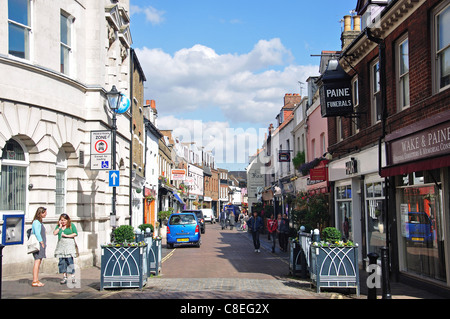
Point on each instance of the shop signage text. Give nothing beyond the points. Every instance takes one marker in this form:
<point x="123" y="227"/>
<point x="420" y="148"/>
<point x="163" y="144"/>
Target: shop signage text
<point x="431" y="142"/>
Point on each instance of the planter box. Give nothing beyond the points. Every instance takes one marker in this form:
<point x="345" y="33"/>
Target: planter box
<point x="334" y="267"/>
<point x="123" y="267"/>
<point x="297" y="260"/>
<point x="155" y="256"/>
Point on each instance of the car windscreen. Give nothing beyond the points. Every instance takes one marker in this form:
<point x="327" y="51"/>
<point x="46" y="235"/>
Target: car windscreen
<point x="185" y="219"/>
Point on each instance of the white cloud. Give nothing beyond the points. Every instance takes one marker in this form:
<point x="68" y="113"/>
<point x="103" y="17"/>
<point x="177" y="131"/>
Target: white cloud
<point x="245" y="87"/>
<point x="228" y="144"/>
<point x="152" y="15"/>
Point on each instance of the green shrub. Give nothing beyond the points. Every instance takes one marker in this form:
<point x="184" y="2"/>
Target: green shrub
<point x="143" y="227"/>
<point x="124" y="233"/>
<point x="331" y="234"/>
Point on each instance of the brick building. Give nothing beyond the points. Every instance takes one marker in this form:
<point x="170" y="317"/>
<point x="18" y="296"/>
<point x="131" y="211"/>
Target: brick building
<point x="391" y="156"/>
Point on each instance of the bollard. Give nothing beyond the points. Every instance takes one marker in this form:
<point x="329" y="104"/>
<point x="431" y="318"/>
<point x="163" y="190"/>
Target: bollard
<point x="386" y="289"/>
<point x="1" y="263"/>
<point x="316" y="236"/>
<point x="372" y="291"/>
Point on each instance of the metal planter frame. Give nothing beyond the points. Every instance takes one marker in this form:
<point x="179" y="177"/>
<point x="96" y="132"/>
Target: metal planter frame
<point x="124" y="267"/>
<point x="334" y="267"/>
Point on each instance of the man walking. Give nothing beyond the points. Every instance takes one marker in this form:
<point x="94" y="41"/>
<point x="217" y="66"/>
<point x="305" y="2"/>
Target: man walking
<point x="255" y="225"/>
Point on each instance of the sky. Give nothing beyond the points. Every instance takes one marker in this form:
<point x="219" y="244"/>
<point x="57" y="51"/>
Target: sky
<point x="218" y="70"/>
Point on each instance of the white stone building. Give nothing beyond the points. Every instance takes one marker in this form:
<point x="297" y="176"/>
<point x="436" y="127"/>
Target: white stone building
<point x="57" y="60"/>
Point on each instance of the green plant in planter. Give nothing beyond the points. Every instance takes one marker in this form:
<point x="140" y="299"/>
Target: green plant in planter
<point x="331" y="235"/>
<point x="143" y="227"/>
<point x="124" y="233"/>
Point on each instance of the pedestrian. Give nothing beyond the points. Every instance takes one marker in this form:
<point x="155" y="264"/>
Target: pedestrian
<point x="283" y="231"/>
<point x="66" y="247"/>
<point x="231" y="219"/>
<point x="39" y="230"/>
<point x="255" y="225"/>
<point x="272" y="226"/>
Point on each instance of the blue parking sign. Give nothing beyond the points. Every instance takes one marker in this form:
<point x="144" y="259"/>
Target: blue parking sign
<point x="114" y="177"/>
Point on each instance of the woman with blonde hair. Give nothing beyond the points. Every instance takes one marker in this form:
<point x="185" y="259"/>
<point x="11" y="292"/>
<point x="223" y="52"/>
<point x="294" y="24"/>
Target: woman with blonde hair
<point x="66" y="248"/>
<point x="39" y="230"/>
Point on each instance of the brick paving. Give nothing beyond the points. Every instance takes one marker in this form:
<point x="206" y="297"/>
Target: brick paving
<point x="225" y="268"/>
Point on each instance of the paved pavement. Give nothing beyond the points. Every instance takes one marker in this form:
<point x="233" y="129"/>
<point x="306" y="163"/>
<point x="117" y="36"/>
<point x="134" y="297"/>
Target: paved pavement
<point x="264" y="286"/>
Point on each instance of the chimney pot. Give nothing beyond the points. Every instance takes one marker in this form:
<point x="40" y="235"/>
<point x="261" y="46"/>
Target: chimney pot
<point x="347" y="23"/>
<point x="357" y="23"/>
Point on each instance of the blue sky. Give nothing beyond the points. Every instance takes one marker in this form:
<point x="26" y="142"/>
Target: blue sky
<point x="224" y="66"/>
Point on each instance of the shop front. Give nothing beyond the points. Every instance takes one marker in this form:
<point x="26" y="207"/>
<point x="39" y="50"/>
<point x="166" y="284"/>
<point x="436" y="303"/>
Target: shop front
<point x="418" y="160"/>
<point x="359" y="199"/>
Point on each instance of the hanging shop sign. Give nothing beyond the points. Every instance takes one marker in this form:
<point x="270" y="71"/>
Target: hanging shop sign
<point x="335" y="89"/>
<point x="284" y="156"/>
<point x="178" y="174"/>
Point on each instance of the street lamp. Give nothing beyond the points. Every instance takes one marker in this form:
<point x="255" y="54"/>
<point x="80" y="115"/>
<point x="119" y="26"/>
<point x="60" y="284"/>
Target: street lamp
<point x="114" y="98"/>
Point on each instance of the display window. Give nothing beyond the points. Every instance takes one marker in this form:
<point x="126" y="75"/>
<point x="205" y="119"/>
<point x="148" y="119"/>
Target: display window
<point x="375" y="216"/>
<point x="344" y="211"/>
<point x="420" y="216"/>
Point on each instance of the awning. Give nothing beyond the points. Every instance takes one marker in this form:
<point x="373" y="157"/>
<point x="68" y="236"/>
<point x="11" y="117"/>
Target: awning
<point x="178" y="197"/>
<point x="424" y="165"/>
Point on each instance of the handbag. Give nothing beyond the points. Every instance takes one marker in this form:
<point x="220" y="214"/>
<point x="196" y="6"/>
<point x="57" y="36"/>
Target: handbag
<point x="33" y="245"/>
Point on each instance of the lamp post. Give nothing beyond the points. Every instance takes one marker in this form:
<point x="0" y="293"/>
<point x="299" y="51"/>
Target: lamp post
<point x="114" y="98"/>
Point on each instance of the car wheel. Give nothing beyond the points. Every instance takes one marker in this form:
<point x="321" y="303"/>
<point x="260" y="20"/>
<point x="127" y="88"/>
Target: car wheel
<point x="170" y="246"/>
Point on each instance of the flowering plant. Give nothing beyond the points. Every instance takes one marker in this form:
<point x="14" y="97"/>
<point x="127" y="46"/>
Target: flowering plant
<point x="339" y="243"/>
<point x="125" y="244"/>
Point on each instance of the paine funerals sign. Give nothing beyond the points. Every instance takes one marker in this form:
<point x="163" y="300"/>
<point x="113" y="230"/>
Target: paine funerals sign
<point x="335" y="91"/>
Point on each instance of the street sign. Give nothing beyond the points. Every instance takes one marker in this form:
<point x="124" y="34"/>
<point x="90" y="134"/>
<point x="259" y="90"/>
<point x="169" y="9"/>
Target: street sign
<point x="101" y="156"/>
<point x="114" y="177"/>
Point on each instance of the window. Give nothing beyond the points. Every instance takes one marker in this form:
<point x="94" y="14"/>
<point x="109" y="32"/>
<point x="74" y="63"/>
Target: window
<point x="66" y="42"/>
<point x="13" y="177"/>
<point x="421" y="224"/>
<point x="376" y="230"/>
<point x="60" y="190"/>
<point x="339" y="129"/>
<point x="375" y="91"/>
<point x="441" y="32"/>
<point x="19" y="28"/>
<point x="344" y="211"/>
<point x="403" y="73"/>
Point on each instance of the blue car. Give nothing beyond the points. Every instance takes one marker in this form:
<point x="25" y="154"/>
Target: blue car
<point x="183" y="229"/>
<point x="419" y="229"/>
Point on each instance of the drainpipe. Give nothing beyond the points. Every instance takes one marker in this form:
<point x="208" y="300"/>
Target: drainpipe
<point x="382" y="61"/>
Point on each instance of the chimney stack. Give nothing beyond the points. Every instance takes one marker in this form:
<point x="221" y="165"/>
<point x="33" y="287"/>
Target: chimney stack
<point x="349" y="33"/>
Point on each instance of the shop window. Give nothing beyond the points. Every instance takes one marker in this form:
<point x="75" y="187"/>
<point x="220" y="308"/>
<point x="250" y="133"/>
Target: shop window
<point x="344" y="211"/>
<point x="375" y="216"/>
<point x="421" y="247"/>
<point x="13" y="177"/>
<point x="19" y="28"/>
